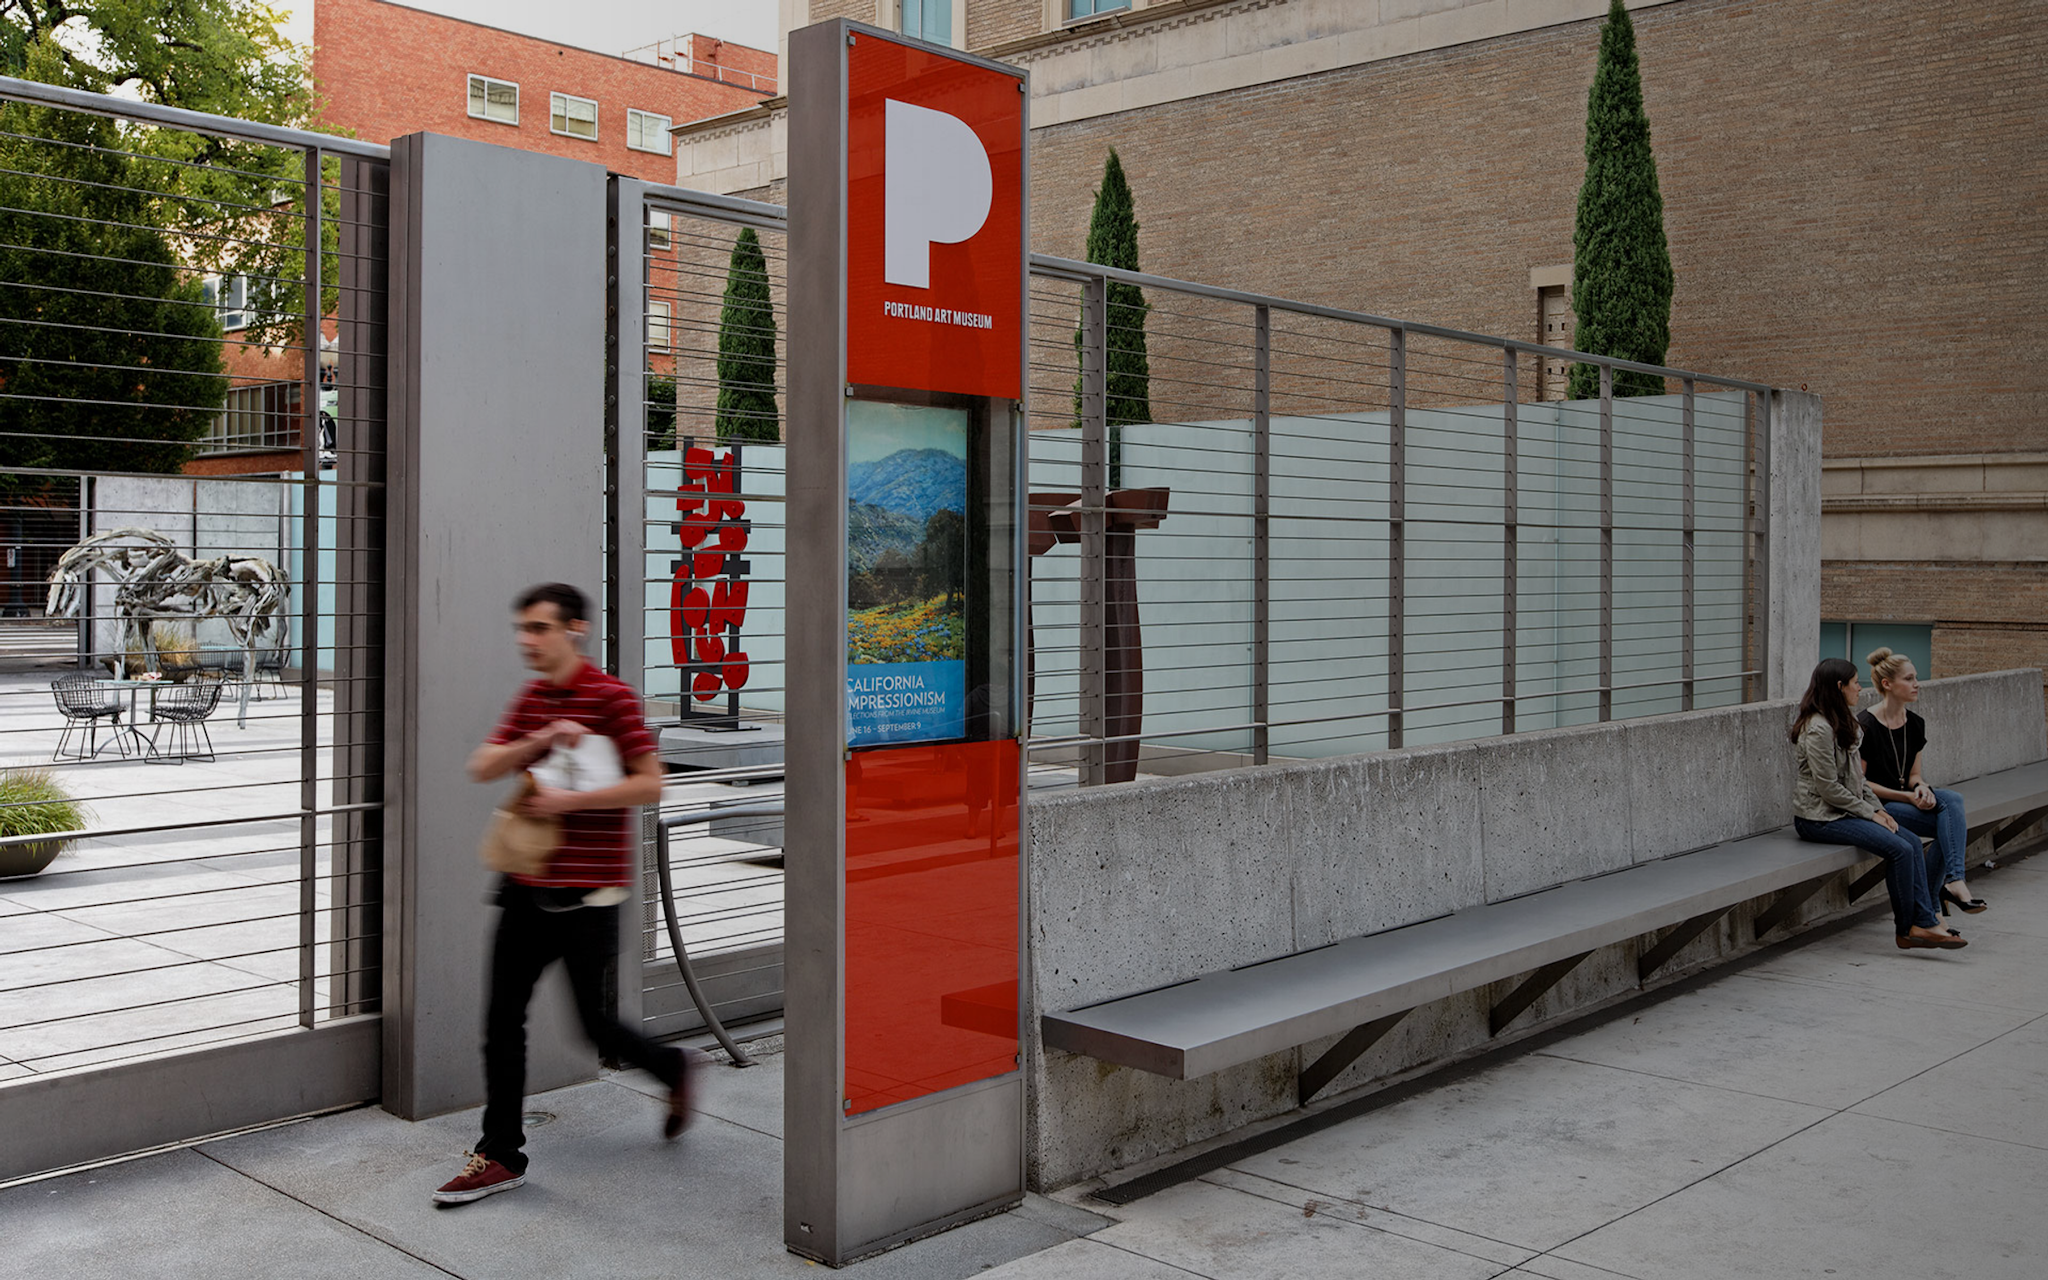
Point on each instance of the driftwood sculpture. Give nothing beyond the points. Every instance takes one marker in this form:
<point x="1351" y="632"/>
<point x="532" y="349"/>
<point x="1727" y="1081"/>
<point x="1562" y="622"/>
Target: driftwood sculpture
<point x="156" y="582"/>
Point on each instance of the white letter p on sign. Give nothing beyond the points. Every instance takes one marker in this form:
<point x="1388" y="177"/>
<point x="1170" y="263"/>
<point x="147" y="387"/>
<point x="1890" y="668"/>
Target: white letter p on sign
<point x="936" y="190"/>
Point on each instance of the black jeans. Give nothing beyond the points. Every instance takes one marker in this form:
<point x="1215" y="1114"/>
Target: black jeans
<point x="529" y="939"/>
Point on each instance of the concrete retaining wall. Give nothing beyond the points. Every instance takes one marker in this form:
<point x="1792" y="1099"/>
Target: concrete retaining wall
<point x="1138" y="886"/>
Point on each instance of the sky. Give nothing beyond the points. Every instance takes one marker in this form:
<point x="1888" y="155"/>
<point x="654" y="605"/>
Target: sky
<point x="876" y="430"/>
<point x="607" y="26"/>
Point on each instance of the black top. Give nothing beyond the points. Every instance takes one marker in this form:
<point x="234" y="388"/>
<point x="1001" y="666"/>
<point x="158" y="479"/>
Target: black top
<point x="1888" y="754"/>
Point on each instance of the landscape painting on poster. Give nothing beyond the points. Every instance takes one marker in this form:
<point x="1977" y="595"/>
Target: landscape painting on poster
<point x="906" y="571"/>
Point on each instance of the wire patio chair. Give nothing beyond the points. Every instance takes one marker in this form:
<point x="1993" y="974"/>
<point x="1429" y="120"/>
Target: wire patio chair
<point x="183" y="709"/>
<point x="83" y="701"/>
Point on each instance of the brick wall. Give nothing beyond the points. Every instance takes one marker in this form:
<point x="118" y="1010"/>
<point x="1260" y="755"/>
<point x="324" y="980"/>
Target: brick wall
<point x="1851" y="214"/>
<point x="991" y="22"/>
<point x="384" y="70"/>
<point x="858" y="10"/>
<point x="1987" y="616"/>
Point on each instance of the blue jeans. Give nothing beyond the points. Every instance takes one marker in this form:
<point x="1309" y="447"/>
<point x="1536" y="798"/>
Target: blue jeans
<point x="1910" y="879"/>
<point x="1945" y="822"/>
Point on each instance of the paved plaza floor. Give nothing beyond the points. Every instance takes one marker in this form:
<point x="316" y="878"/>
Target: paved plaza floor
<point x="1833" y="1107"/>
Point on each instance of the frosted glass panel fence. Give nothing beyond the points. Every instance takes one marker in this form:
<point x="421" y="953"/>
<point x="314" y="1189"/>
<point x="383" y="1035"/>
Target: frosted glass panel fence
<point x="1285" y="531"/>
<point x="1329" y="653"/>
<point x="1328" y="656"/>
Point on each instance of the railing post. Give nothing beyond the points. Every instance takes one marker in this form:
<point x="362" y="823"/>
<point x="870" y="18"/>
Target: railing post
<point x="1606" y="542"/>
<point x="1262" y="544"/>
<point x="1686" y="532"/>
<point x="308" y="587"/>
<point x="1094" y="527"/>
<point x="1759" y="444"/>
<point x="1510" y="537"/>
<point x="1397" y="532"/>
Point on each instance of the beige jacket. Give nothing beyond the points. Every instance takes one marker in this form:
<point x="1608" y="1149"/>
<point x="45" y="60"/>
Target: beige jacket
<point x="1830" y="784"/>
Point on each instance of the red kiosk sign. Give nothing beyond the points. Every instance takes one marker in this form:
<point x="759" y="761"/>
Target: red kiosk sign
<point x="935" y="262"/>
<point x="934" y="223"/>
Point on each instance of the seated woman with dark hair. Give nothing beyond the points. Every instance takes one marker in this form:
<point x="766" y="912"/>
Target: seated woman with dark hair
<point x="1893" y="738"/>
<point x="1832" y="804"/>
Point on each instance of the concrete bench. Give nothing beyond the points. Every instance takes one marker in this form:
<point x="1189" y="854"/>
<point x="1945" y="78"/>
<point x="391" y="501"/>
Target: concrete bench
<point x="1361" y="987"/>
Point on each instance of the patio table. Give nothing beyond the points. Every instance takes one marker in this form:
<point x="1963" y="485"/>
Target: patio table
<point x="133" y="687"/>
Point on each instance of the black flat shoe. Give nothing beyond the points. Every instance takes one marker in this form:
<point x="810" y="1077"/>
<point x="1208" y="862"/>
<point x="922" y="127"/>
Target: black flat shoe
<point x="1970" y="906"/>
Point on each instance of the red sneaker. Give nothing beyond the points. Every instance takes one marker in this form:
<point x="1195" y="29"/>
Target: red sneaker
<point x="481" y="1177"/>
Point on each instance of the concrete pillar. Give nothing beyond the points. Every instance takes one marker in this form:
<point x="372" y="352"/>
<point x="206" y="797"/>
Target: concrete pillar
<point x="1793" y="617"/>
<point x="496" y="465"/>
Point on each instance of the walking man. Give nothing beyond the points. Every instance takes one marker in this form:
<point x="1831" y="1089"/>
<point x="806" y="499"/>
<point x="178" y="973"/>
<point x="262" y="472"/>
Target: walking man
<point x="570" y="911"/>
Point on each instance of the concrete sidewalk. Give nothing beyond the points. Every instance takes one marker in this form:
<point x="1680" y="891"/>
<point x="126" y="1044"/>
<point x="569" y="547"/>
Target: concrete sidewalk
<point x="1835" y="1107"/>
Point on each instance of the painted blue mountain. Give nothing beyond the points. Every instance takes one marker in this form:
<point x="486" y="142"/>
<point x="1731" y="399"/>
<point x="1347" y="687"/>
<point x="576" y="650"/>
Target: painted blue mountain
<point x="911" y="483"/>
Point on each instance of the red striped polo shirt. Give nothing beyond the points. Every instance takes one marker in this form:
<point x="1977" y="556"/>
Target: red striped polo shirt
<point x="597" y="846"/>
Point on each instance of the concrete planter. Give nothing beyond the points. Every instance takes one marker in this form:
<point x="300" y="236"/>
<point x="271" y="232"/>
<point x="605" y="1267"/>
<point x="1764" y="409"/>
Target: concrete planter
<point x="21" y="860"/>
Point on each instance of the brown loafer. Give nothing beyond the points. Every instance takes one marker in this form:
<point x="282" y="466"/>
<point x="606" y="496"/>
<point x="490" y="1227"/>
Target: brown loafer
<point x="1949" y="942"/>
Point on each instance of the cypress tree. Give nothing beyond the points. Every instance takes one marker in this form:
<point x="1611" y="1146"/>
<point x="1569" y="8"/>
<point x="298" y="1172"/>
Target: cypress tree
<point x="746" y="348"/>
<point x="1621" y="265"/>
<point x="1113" y="242"/>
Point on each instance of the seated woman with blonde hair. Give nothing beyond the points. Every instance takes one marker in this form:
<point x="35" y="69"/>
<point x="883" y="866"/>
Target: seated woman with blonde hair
<point x="1893" y="740"/>
<point x="1833" y="805"/>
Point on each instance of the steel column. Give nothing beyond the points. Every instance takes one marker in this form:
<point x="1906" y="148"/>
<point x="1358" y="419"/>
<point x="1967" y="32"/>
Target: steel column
<point x="309" y="603"/>
<point x="625" y="538"/>
<point x="1760" y="626"/>
<point x="1511" y="537"/>
<point x="1094" y="708"/>
<point x="1687" y="529"/>
<point x="356" y="869"/>
<point x="1397" y="532"/>
<point x="1262" y="531"/>
<point x="1606" y="542"/>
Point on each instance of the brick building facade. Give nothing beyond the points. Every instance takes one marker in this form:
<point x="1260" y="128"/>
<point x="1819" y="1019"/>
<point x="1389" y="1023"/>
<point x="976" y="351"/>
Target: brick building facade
<point x="383" y="70"/>
<point x="1852" y="194"/>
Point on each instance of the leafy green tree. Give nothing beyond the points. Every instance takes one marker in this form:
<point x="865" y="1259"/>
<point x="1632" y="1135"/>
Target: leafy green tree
<point x="1113" y="242"/>
<point x="225" y="57"/>
<point x="1621" y="264"/>
<point x="942" y="556"/>
<point x="112" y="361"/>
<point x="746" y="348"/>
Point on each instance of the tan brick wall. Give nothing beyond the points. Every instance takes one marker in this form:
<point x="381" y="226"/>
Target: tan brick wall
<point x="991" y="22"/>
<point x="1851" y="214"/>
<point x="858" y="10"/>
<point x="384" y="70"/>
<point x="1987" y="616"/>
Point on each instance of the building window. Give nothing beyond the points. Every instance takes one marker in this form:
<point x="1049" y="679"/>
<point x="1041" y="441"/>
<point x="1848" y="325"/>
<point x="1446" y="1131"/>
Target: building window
<point x="930" y="20"/>
<point x="1089" y="8"/>
<point x="264" y="416"/>
<point x="646" y="131"/>
<point x="657" y="229"/>
<point x="1554" y="327"/>
<point x="1856" y="640"/>
<point x="658" y="326"/>
<point x="229" y="297"/>
<point x="576" y="117"/>
<point x="494" y="100"/>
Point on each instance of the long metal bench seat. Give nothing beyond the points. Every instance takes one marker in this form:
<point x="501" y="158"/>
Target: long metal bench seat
<point x="1361" y="987"/>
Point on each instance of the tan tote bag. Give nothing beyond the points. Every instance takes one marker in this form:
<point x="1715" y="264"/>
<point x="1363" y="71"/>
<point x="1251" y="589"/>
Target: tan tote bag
<point x="516" y="844"/>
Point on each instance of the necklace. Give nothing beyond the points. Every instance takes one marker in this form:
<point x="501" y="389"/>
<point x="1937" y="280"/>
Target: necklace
<point x="1898" y="746"/>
